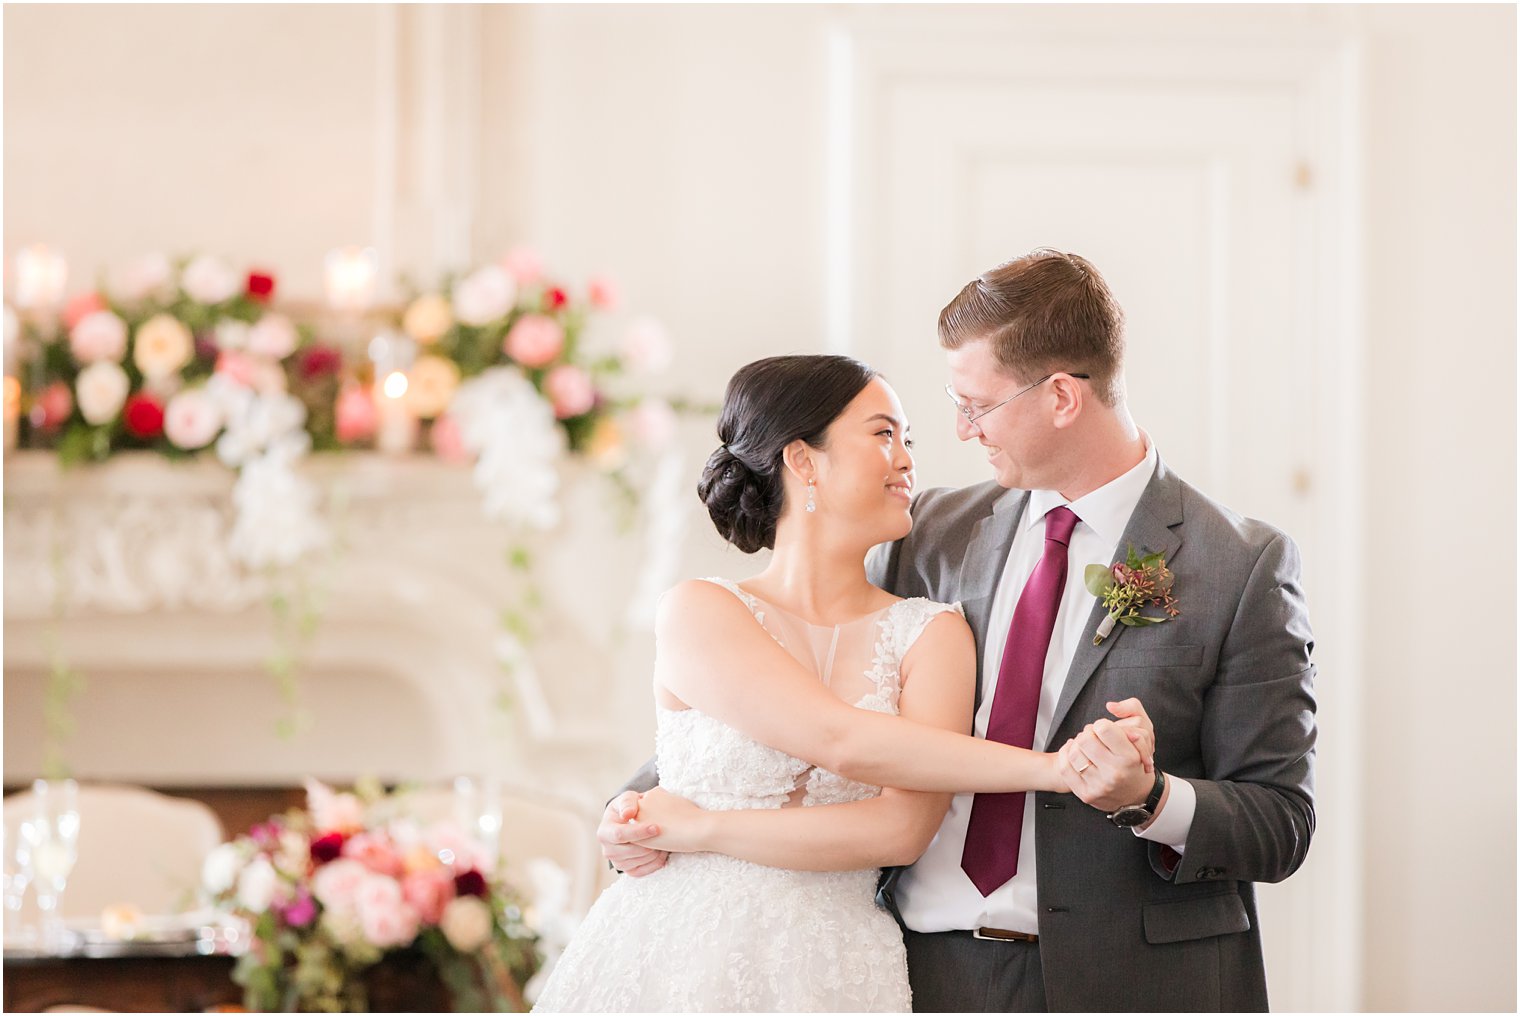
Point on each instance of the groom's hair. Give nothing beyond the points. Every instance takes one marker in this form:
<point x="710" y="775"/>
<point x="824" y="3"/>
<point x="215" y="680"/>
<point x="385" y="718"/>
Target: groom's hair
<point x="1044" y="312"/>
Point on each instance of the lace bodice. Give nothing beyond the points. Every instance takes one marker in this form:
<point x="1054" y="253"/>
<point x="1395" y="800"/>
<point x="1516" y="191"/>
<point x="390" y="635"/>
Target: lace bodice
<point x="717" y="767"/>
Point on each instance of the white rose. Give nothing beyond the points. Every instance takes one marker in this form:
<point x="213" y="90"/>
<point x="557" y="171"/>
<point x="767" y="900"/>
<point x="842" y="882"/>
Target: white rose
<point x="256" y="885"/>
<point x="466" y="923"/>
<point x="149" y="275"/>
<point x="191" y="419"/>
<point x="162" y="347"/>
<point x="274" y="336"/>
<point x="484" y="296"/>
<point x="220" y="869"/>
<point x="209" y="280"/>
<point x="100" y="391"/>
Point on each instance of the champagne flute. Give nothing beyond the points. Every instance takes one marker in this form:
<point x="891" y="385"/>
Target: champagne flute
<point x="53" y="833"/>
<point x="17" y="855"/>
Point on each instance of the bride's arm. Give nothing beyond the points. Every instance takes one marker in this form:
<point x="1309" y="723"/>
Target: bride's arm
<point x="939" y="675"/>
<point x="712" y="656"/>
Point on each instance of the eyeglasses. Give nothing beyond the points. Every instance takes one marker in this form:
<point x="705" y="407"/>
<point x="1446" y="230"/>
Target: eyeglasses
<point x="972" y="416"/>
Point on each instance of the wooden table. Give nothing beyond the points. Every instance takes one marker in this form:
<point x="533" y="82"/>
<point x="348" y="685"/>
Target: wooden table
<point x="158" y="980"/>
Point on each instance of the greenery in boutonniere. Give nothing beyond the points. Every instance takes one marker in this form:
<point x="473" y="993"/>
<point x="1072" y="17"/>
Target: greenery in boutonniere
<point x="1129" y="585"/>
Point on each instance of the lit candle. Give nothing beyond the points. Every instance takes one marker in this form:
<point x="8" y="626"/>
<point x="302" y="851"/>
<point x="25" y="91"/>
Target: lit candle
<point x="351" y="274"/>
<point x="396" y="431"/>
<point x="40" y="276"/>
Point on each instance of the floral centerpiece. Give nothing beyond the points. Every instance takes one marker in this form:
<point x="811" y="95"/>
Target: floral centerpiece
<point x="329" y="891"/>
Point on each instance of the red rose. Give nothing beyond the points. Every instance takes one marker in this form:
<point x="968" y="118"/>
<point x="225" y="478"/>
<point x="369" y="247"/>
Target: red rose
<point x="320" y="361"/>
<point x="144" y="416"/>
<point x="555" y="298"/>
<point x="327" y="847"/>
<point x="261" y="286"/>
<point x="470" y="883"/>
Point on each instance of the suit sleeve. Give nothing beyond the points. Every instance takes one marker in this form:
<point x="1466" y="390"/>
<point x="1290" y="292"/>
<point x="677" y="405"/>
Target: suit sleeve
<point x="647" y="778"/>
<point x="1255" y="811"/>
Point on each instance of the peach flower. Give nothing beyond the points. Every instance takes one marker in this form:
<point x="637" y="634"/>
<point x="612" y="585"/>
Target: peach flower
<point x="602" y="292"/>
<point x="535" y="340"/>
<point x="431" y="384"/>
<point x="163" y="346"/>
<point x="98" y="335"/>
<point x="466" y="923"/>
<point x="428" y="893"/>
<point x="428" y="318"/>
<point x="374" y="852"/>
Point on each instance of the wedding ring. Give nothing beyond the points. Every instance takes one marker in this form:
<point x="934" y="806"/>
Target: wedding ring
<point x="1086" y="765"/>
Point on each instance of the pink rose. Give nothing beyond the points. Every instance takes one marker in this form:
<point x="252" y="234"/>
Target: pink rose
<point x="524" y="265"/>
<point x="602" y="292"/>
<point x="98" y="335"/>
<point x="336" y="884"/>
<point x="81" y="307"/>
<point x="451" y="845"/>
<point x="535" y="340"/>
<point x="447" y="440"/>
<point x="238" y="367"/>
<point x="192" y="419"/>
<point x="570" y="391"/>
<point x="52" y="406"/>
<point x="428" y="893"/>
<point x="387" y="919"/>
<point x="374" y="852"/>
<point x="355" y="417"/>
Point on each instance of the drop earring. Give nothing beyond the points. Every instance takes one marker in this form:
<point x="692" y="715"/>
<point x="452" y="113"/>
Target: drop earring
<point x="810" y="506"/>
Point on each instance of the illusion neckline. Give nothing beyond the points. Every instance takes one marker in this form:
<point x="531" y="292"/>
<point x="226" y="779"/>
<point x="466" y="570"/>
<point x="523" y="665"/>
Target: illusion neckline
<point x="771" y="604"/>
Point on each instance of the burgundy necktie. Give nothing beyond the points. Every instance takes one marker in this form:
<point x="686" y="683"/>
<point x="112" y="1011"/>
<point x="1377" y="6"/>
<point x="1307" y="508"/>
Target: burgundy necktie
<point x="991" y="856"/>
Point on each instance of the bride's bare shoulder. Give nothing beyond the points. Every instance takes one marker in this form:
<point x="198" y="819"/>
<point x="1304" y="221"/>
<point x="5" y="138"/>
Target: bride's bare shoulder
<point x="700" y="600"/>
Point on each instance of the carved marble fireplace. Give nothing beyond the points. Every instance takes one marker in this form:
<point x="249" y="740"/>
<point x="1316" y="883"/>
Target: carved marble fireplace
<point x="122" y="571"/>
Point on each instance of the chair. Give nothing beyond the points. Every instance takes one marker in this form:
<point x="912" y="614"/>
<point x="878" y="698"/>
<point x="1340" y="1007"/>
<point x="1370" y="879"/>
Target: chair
<point x="136" y="846"/>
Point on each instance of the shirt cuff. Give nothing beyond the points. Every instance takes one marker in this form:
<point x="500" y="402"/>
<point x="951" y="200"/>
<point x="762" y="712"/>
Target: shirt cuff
<point x="1175" y="821"/>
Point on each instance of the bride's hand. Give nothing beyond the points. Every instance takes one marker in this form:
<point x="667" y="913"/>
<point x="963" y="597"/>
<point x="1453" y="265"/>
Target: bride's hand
<point x="682" y="824"/>
<point x="1136" y="724"/>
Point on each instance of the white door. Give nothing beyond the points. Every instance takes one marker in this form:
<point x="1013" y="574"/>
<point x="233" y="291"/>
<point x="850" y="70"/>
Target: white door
<point x="1192" y="193"/>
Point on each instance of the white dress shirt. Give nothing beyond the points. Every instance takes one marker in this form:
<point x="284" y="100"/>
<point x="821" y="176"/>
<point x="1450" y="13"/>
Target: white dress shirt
<point x="935" y="894"/>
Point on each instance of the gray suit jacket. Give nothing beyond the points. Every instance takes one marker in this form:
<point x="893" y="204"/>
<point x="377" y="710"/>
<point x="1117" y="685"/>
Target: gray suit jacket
<point x="1229" y="686"/>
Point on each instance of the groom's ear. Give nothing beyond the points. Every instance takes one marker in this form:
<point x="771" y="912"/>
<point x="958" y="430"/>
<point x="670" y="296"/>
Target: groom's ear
<point x="797" y="457"/>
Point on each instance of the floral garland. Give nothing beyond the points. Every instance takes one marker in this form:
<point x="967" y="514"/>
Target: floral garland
<point x="192" y="357"/>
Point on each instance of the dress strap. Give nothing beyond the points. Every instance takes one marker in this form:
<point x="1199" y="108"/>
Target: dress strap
<point x="745" y="598"/>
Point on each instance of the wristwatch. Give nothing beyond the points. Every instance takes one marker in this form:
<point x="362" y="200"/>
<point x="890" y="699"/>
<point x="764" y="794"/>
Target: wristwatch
<point x="1132" y="815"/>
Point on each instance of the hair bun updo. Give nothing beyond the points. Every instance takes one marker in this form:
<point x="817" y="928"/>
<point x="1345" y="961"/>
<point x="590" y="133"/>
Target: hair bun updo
<point x="744" y="504"/>
<point x="769" y="404"/>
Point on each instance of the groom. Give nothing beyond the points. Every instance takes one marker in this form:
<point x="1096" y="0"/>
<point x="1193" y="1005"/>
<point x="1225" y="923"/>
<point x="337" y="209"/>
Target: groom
<point x="1136" y="892"/>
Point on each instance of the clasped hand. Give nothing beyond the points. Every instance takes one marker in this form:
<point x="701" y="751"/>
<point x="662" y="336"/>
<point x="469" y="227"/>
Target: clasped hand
<point x="1111" y="763"/>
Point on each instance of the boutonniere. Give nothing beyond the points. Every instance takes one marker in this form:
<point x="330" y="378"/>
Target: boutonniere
<point x="1129" y="585"/>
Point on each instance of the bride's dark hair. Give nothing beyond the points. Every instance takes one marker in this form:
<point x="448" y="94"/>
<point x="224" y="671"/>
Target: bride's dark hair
<point x="769" y="404"/>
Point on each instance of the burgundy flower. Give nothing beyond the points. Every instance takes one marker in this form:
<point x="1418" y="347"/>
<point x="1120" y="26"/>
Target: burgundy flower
<point x="261" y="286"/>
<point x="470" y="883"/>
<point x="320" y="361"/>
<point x="327" y="847"/>
<point x="555" y="298"/>
<point x="1122" y="573"/>
<point x="144" y="416"/>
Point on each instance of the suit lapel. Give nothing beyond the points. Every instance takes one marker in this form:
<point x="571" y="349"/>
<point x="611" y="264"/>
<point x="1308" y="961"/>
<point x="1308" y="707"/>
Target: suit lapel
<point x="1154" y="526"/>
<point x="986" y="554"/>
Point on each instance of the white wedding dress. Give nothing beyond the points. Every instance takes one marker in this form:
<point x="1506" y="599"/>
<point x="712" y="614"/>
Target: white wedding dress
<point x="709" y="933"/>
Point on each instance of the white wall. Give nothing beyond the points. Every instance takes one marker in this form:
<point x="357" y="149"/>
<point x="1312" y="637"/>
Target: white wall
<point x="683" y="149"/>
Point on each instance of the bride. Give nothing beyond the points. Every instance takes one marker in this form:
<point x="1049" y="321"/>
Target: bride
<point x="766" y="903"/>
